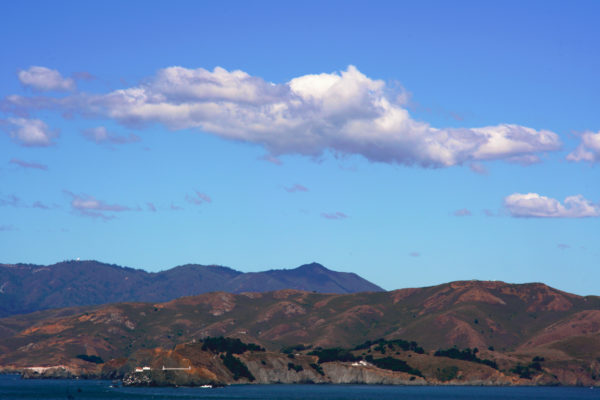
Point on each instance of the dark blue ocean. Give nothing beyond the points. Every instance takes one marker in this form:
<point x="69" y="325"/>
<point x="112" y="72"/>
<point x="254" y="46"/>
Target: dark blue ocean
<point x="13" y="387"/>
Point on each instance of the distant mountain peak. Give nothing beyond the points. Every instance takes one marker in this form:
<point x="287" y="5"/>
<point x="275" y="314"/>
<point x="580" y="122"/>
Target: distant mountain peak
<point x="81" y="283"/>
<point x="313" y="266"/>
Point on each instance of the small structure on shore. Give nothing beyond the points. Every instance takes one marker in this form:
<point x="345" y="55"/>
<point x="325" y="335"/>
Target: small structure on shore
<point x="177" y="369"/>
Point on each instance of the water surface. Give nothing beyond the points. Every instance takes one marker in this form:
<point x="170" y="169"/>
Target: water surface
<point x="13" y="387"/>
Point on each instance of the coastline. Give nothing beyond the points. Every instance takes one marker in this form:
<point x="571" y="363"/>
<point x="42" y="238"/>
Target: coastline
<point x="61" y="373"/>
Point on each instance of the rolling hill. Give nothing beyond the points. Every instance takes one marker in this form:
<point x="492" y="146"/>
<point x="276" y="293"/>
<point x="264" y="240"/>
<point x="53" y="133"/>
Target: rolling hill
<point x="509" y="324"/>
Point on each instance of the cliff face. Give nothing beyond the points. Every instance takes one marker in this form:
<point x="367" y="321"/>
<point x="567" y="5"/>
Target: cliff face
<point x="275" y="368"/>
<point x="346" y="373"/>
<point x="270" y="368"/>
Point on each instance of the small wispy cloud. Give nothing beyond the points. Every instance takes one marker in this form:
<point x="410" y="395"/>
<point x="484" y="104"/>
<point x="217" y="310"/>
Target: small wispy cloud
<point x="271" y="159"/>
<point x="11" y="200"/>
<point x="334" y="215"/>
<point x="83" y="76"/>
<point x="414" y="254"/>
<point x="524" y="159"/>
<point x="198" y="198"/>
<point x="588" y="150"/>
<point x="563" y="246"/>
<point x="26" y="164"/>
<point x="463" y="212"/>
<point x="101" y="135"/>
<point x="456" y="116"/>
<point x="488" y="213"/>
<point x="42" y="206"/>
<point x="45" y="79"/>
<point x="30" y="132"/>
<point x="478" y="168"/>
<point x="88" y="206"/>
<point x="296" y="188"/>
<point x="151" y="207"/>
<point x="175" y="207"/>
<point x="7" y="228"/>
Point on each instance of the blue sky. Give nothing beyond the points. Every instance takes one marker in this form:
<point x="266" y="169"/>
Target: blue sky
<point x="413" y="144"/>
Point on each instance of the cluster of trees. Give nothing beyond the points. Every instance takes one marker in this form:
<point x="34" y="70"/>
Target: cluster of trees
<point x="295" y="348"/>
<point x="317" y="368"/>
<point x="237" y="367"/>
<point x="334" y="354"/>
<point x="231" y="346"/>
<point x="393" y="364"/>
<point x="92" y="359"/>
<point x="295" y="367"/>
<point x="228" y="345"/>
<point x="526" y="371"/>
<point x="466" y="355"/>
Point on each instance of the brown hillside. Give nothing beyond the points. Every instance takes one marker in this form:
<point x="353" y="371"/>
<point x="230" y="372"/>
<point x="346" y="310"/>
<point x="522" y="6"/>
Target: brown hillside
<point x="517" y="321"/>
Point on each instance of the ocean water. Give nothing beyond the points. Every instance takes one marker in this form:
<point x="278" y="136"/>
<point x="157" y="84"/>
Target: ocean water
<point x="13" y="387"/>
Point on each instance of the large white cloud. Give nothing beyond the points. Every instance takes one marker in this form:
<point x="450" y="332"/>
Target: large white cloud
<point x="588" y="149"/>
<point x="534" y="205"/>
<point x="45" y="79"/>
<point x="346" y="112"/>
<point x="31" y="132"/>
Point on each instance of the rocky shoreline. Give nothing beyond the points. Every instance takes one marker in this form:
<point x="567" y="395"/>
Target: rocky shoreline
<point x="220" y="361"/>
<point x="278" y="373"/>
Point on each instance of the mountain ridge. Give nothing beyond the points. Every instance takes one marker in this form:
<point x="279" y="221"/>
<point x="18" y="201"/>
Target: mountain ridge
<point x="26" y="288"/>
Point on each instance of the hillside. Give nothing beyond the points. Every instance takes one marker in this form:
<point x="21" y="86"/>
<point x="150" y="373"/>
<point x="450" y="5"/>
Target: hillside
<point x="26" y="288"/>
<point x="509" y="324"/>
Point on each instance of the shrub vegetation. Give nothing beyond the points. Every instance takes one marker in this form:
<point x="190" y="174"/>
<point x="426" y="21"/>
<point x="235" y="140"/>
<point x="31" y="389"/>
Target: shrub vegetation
<point x="334" y="354"/>
<point x="228" y="345"/>
<point x="92" y="359"/>
<point x="394" y="364"/>
<point x="466" y="355"/>
<point x="317" y="368"/>
<point x="237" y="367"/>
<point x="295" y="367"/>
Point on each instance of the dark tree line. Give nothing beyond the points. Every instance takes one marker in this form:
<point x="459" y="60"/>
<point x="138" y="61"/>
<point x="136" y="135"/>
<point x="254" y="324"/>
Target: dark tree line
<point x="466" y="355"/>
